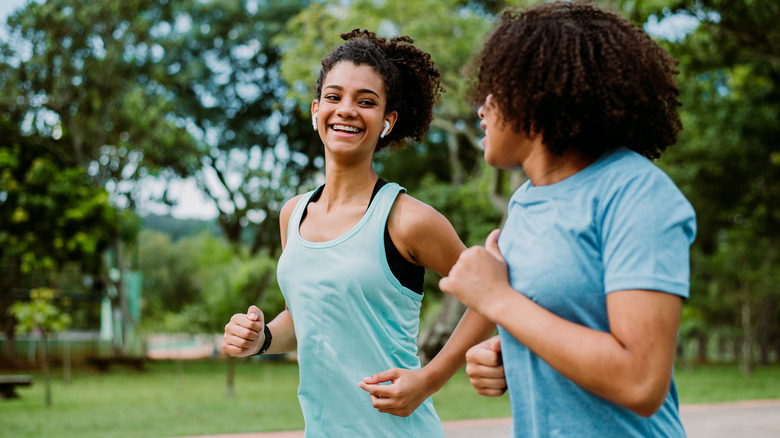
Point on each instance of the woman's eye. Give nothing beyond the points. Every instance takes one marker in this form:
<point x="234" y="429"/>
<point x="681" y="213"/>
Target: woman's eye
<point x="332" y="98"/>
<point x="367" y="102"/>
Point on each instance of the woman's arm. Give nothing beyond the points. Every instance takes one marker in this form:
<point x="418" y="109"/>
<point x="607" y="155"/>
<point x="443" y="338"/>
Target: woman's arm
<point x="631" y="365"/>
<point x="244" y="334"/>
<point x="425" y="237"/>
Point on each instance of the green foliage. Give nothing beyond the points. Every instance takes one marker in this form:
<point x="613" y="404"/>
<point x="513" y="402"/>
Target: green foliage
<point x="727" y="162"/>
<point x="465" y="206"/>
<point x="223" y="72"/>
<point x="49" y="213"/>
<point x="450" y="39"/>
<point x="197" y="283"/>
<point x="40" y="313"/>
<point x="85" y="82"/>
<point x="156" y="88"/>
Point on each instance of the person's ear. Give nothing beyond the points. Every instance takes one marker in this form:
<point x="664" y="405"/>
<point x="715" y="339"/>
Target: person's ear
<point x="390" y="120"/>
<point x="315" y="108"/>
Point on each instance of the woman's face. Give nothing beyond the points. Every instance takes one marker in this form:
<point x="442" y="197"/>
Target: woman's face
<point x="504" y="148"/>
<point x="351" y="109"/>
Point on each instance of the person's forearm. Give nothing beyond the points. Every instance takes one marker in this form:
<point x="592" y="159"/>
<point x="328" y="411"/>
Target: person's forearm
<point x="632" y="374"/>
<point x="472" y="329"/>
<point x="283" y="334"/>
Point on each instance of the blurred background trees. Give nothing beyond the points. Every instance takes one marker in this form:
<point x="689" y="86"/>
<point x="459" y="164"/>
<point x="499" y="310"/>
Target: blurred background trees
<point x="104" y="106"/>
<point x="727" y="162"/>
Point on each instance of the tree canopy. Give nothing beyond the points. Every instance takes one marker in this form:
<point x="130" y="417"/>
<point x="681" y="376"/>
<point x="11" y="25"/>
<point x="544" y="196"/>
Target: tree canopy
<point x="98" y="98"/>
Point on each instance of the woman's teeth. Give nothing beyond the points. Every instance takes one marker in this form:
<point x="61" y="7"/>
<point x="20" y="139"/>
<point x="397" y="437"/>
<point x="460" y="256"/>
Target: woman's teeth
<point x="345" y="128"/>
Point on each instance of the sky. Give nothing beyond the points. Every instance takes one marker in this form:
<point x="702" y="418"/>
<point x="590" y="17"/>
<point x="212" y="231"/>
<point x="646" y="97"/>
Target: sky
<point x="194" y="204"/>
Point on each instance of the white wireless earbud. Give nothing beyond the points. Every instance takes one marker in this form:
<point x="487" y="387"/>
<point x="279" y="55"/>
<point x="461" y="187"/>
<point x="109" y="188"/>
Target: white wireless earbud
<point x="387" y="128"/>
<point x="314" y="121"/>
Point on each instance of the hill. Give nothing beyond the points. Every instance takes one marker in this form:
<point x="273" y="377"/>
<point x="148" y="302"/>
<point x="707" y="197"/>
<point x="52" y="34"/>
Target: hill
<point x="178" y="228"/>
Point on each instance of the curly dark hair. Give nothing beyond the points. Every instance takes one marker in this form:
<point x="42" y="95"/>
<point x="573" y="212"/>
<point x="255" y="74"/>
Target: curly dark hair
<point x="411" y="80"/>
<point x="582" y="77"/>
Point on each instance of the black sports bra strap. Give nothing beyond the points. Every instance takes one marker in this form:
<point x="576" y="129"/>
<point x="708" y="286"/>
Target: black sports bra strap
<point x="408" y="274"/>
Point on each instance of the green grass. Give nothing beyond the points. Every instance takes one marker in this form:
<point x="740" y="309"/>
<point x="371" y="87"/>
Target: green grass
<point x="723" y="383"/>
<point x="188" y="398"/>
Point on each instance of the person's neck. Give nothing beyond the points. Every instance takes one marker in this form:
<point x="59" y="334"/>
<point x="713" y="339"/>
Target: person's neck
<point x="545" y="168"/>
<point x="347" y="187"/>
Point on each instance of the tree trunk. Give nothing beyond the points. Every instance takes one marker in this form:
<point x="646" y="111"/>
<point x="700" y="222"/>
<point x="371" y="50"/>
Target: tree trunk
<point x="121" y="294"/>
<point x="231" y="377"/>
<point x="66" y="362"/>
<point x="457" y="169"/>
<point x="433" y="339"/>
<point x="746" y="352"/>
<point x="45" y="365"/>
<point x="701" y="348"/>
<point x="10" y="351"/>
<point x="7" y="284"/>
<point x="777" y="350"/>
<point x="765" y="319"/>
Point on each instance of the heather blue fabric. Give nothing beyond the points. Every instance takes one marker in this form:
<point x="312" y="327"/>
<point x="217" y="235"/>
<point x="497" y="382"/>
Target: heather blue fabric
<point x="619" y="224"/>
<point x="352" y="319"/>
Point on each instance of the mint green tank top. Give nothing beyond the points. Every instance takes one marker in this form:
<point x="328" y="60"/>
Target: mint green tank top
<point x="352" y="319"/>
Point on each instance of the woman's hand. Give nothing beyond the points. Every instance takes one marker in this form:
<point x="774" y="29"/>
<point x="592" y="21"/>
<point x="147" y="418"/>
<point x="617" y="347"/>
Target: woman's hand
<point x="406" y="391"/>
<point x="244" y="333"/>
<point x="485" y="368"/>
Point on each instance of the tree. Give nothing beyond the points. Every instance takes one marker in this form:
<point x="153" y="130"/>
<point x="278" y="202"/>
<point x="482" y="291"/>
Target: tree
<point x="42" y="316"/>
<point x="256" y="148"/>
<point x="727" y="161"/>
<point x="154" y="88"/>
<point x="146" y="89"/>
<point x="81" y="83"/>
<point x="50" y="217"/>
<point x="87" y="82"/>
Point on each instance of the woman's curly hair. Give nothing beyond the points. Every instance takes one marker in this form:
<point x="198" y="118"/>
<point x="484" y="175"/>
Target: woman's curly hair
<point x="582" y="77"/>
<point x="411" y="80"/>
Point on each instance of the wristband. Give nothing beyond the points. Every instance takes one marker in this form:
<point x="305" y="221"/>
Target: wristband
<point x="267" y="343"/>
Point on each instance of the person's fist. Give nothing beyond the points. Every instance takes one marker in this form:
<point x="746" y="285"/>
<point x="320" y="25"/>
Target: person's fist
<point x="485" y="368"/>
<point x="244" y="333"/>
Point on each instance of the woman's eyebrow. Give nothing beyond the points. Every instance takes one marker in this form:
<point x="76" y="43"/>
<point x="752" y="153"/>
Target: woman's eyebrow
<point x="360" y="91"/>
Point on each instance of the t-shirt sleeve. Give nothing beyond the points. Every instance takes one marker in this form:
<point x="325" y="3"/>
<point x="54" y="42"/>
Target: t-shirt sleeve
<point x="647" y="228"/>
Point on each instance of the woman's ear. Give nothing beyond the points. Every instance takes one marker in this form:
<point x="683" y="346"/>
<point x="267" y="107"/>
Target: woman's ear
<point x="315" y="108"/>
<point x="390" y="119"/>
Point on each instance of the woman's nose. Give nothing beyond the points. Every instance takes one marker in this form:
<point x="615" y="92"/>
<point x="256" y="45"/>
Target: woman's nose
<point x="481" y="111"/>
<point x="346" y="109"/>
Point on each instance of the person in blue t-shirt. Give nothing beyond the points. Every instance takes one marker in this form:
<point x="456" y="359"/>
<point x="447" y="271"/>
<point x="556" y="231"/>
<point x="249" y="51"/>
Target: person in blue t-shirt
<point x="587" y="277"/>
<point x="355" y="252"/>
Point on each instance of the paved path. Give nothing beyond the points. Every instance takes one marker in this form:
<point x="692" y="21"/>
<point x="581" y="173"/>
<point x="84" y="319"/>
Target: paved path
<point x="754" y="419"/>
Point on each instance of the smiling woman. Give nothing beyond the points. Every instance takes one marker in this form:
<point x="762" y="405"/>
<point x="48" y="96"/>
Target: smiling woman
<point x="351" y="111"/>
<point x="354" y="255"/>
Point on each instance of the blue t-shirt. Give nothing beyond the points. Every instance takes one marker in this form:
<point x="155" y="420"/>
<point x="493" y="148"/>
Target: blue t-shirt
<point x="618" y="224"/>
